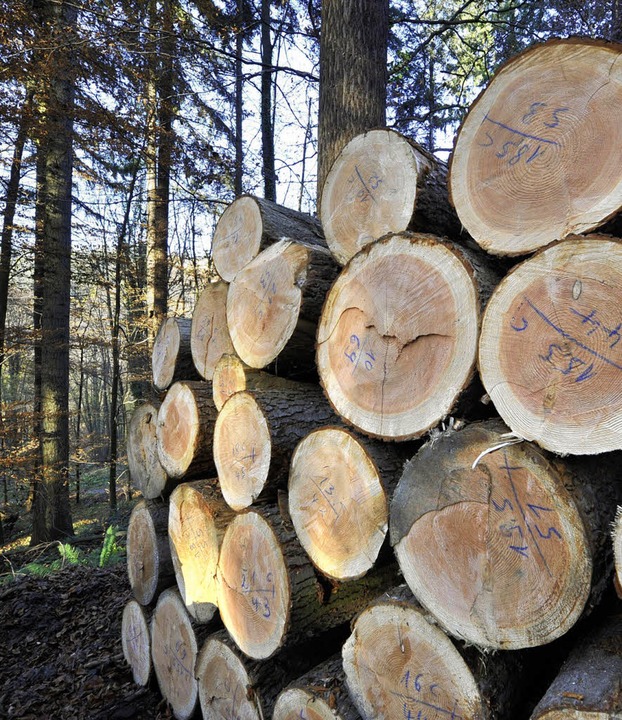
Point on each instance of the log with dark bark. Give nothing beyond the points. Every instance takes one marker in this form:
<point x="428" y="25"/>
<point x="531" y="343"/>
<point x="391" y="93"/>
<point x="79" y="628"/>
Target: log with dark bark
<point x="338" y="491"/>
<point x="146" y="471"/>
<point x="617" y="551"/>
<point x="185" y="431"/>
<point x="550" y="354"/>
<point x="588" y="686"/>
<point x="397" y="340"/>
<point x="136" y="642"/>
<point x="382" y="183"/>
<point x="274" y="304"/>
<point x="250" y="224"/>
<point x="198" y="517"/>
<point x="268" y="594"/>
<point x="536" y="158"/>
<point x="171" y="358"/>
<point x="149" y="564"/>
<point x="209" y="334"/>
<point x="509" y="553"/>
<point x="256" y="433"/>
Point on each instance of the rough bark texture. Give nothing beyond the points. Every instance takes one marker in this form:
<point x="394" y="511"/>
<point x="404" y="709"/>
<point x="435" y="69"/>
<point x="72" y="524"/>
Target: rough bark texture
<point x="146" y="472"/>
<point x="617" y="551"/>
<point x="171" y="359"/>
<point x="136" y="642"/>
<point x="250" y="224"/>
<point x="530" y="165"/>
<point x="210" y="338"/>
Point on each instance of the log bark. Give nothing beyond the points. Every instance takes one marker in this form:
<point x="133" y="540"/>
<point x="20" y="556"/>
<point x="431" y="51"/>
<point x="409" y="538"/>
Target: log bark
<point x="382" y="183"/>
<point x="397" y="340"/>
<point x="519" y="525"/>
<point x="320" y="694"/>
<point x="588" y="685"/>
<point x="149" y="564"/>
<point x="274" y="304"/>
<point x="256" y="432"/>
<point x="146" y="471"/>
<point x="617" y="551"/>
<point x="136" y="642"/>
<point x="250" y="224"/>
<point x="209" y="334"/>
<point x="550" y="354"/>
<point x="532" y="161"/>
<point x="171" y="358"/>
<point x="268" y="594"/>
<point x="198" y="517"/>
<point x="398" y="663"/>
<point x="338" y="491"/>
<point x="185" y="431"/>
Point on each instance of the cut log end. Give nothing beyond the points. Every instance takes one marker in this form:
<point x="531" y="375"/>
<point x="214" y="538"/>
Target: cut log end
<point x="301" y="704"/>
<point x="229" y="377"/>
<point x="337" y="503"/>
<point x="178" y="430"/>
<point x="143" y="554"/>
<point x="398" y="336"/>
<point x="136" y="642"/>
<point x="209" y="334"/>
<point x="146" y="471"/>
<point x="237" y="237"/>
<point x="166" y="348"/>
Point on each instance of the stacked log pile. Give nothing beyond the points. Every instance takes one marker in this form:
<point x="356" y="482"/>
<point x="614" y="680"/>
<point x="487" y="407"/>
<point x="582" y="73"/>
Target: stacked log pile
<point x="292" y="511"/>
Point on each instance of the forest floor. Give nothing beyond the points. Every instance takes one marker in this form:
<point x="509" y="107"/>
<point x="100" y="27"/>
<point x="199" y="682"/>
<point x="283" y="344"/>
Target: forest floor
<point x="60" y="624"/>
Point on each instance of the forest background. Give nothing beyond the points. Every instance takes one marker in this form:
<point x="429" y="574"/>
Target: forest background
<point x="125" y="130"/>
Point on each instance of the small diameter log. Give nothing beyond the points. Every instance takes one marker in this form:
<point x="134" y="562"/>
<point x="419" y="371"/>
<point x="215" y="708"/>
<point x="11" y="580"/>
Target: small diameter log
<point x="185" y="430"/>
<point x="174" y="650"/>
<point x="397" y="340"/>
<point x="198" y="517"/>
<point x="250" y="224"/>
<point x="274" y="304"/>
<point x="320" y="694"/>
<point x="268" y="593"/>
<point x="256" y="432"/>
<point x="382" y="183"/>
<point x="533" y="159"/>
<point x="399" y="664"/>
<point x="209" y="334"/>
<point x="550" y="354"/>
<point x="503" y="554"/>
<point x="146" y="471"/>
<point x="337" y="495"/>
<point x="588" y="686"/>
<point x="149" y="564"/>
<point x="136" y="642"/>
<point x="171" y="358"/>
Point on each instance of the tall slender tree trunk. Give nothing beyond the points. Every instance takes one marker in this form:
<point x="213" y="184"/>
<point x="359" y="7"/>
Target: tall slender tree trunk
<point x="267" y="126"/>
<point x="79" y="422"/>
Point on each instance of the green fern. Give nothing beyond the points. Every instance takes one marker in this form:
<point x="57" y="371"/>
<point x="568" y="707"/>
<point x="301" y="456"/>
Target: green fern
<point x="110" y="550"/>
<point x="69" y="555"/>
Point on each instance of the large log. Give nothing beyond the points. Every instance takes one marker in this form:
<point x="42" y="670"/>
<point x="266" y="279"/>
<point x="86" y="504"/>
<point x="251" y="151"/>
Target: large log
<point x="149" y="564"/>
<point x="537" y="157"/>
<point x="249" y="224"/>
<point x="506" y="553"/>
<point x="274" y="304"/>
<point x="617" y="551"/>
<point x="338" y="491"/>
<point x="397" y="340"/>
<point x="550" y="354"/>
<point x="185" y="431"/>
<point x="171" y="358"/>
<point x="589" y="684"/>
<point x="209" y="333"/>
<point x="136" y="642"/>
<point x="382" y="183"/>
<point x="146" y="471"/>
<point x="256" y="432"/>
<point x="198" y="518"/>
<point x="268" y="594"/>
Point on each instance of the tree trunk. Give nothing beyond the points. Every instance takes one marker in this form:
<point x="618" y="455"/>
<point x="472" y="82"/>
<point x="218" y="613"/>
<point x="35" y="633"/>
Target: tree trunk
<point x="171" y="359"/>
<point x="397" y="341"/>
<point x="550" y="354"/>
<point x="338" y="493"/>
<point x="353" y="74"/>
<point x="268" y="594"/>
<point x="239" y="101"/>
<point x="274" y="304"/>
<point x="136" y="642"/>
<point x="250" y="224"/>
<point x="198" y="517"/>
<point x="470" y="540"/>
<point x="149" y="565"/>
<point x="529" y="165"/>
<point x="381" y="183"/>
<point x="588" y="685"/>
<point x="209" y="334"/>
<point x="185" y="431"/>
<point x="146" y="472"/>
<point x="255" y="434"/>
